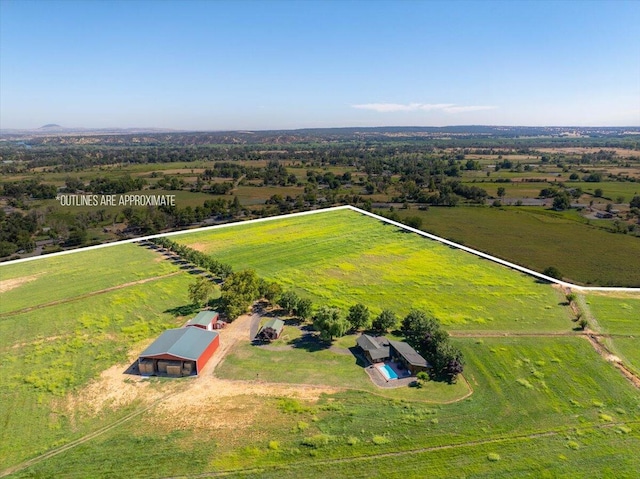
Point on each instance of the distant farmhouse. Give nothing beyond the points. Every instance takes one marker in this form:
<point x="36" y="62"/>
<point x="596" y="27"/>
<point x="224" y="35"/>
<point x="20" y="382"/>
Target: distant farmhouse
<point x="381" y="349"/>
<point x="208" y="320"/>
<point x="271" y="330"/>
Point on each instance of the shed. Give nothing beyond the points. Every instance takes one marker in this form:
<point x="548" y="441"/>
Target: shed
<point x="179" y="352"/>
<point x="271" y="330"/>
<point x="205" y="320"/>
<point x="375" y="349"/>
<point x="408" y="356"/>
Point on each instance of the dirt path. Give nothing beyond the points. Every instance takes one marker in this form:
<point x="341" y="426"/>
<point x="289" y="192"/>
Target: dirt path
<point x="88" y="295"/>
<point x="603" y="351"/>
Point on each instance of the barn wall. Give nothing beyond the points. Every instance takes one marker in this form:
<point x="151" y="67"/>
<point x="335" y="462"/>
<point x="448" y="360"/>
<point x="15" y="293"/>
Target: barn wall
<point x="207" y="353"/>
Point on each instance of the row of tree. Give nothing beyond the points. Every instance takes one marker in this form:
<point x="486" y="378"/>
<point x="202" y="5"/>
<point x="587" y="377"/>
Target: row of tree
<point x="204" y="261"/>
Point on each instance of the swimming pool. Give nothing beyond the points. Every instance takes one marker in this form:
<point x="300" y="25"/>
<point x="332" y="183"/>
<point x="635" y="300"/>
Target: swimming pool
<point x="388" y="372"/>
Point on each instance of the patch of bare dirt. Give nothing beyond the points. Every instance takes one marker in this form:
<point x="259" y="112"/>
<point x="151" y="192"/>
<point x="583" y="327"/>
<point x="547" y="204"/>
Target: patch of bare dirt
<point x="202" y="247"/>
<point x="9" y="284"/>
<point x="113" y="390"/>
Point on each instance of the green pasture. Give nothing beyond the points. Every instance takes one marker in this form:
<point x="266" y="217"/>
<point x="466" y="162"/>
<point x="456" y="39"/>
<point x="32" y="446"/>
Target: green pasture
<point x="538" y="238"/>
<point x="541" y="406"/>
<point x="616" y="313"/>
<point x="68" y="276"/>
<point x="342" y="258"/>
<point x="50" y="353"/>
<point x="610" y="189"/>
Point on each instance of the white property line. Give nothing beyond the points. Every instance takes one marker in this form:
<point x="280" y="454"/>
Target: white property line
<point x="502" y="262"/>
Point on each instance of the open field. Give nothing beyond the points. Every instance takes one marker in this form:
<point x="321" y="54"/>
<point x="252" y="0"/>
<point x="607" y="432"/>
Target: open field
<point x="544" y="404"/>
<point x="49" y="354"/>
<point x="69" y="276"/>
<point x="524" y="409"/>
<point x="342" y="258"/>
<point x="538" y="239"/>
<point x="619" y="314"/>
<point x="616" y="313"/>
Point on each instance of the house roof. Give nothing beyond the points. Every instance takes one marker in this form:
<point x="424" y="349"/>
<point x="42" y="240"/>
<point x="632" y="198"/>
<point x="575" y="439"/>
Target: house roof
<point x="378" y="348"/>
<point x="275" y="324"/>
<point x="408" y="353"/>
<point x="203" y="318"/>
<point x="184" y="343"/>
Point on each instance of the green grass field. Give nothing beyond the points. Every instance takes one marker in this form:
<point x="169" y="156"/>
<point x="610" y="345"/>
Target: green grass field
<point x="538" y="239"/>
<point x="65" y="277"/>
<point x="541" y="406"/>
<point x="342" y="258"/>
<point x="619" y="314"/>
<point x="524" y="410"/>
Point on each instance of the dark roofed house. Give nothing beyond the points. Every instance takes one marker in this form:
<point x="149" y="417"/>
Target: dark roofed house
<point x="375" y="349"/>
<point x="409" y="357"/>
<point x="271" y="330"/>
<point x="205" y="320"/>
<point x="179" y="352"/>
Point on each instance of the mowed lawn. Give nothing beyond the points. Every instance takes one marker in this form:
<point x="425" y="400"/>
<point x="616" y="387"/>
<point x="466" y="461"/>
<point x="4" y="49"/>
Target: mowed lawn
<point x="538" y="238"/>
<point x="341" y="258"/>
<point x="541" y="407"/>
<point x="63" y="277"/>
<point x="323" y="367"/>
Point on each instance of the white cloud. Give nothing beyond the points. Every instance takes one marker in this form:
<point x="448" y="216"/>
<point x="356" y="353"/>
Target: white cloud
<point x="446" y="107"/>
<point x="463" y="109"/>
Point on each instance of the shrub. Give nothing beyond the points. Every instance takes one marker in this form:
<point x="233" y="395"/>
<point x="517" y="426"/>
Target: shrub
<point x="493" y="457"/>
<point x="319" y="440"/>
<point x="573" y="445"/>
<point x="352" y="440"/>
<point x="274" y="445"/>
<point x="380" y="440"/>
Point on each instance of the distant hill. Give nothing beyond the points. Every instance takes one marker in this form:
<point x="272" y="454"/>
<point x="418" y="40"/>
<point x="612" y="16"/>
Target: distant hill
<point x="50" y="126"/>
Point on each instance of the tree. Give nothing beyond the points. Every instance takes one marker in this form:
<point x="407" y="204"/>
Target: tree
<point x="413" y="222"/>
<point x="288" y="301"/>
<point x="239" y="290"/>
<point x="385" y="321"/>
<point x="501" y="191"/>
<point x="635" y="202"/>
<point x="269" y="290"/>
<point x="598" y="193"/>
<point x="358" y="317"/>
<point x="303" y="308"/>
<point x="553" y="272"/>
<point x="200" y="291"/>
<point x="329" y="323"/>
<point x="561" y="201"/>
<point x="415" y="325"/>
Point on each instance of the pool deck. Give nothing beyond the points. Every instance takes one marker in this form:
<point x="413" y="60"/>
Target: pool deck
<point x="381" y="381"/>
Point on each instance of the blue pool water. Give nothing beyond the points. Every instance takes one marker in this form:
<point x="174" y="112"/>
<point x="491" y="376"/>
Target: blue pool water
<point x="388" y="372"/>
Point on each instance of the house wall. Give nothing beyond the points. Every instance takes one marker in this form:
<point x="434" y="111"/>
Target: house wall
<point x="207" y="353"/>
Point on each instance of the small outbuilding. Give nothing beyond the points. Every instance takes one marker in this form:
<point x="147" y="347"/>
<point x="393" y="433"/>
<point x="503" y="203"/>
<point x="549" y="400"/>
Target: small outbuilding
<point x="271" y="330"/>
<point x="179" y="352"/>
<point x="205" y="320"/>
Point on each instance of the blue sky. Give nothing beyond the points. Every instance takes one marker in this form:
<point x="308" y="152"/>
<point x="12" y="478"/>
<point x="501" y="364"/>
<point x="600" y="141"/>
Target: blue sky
<point x="212" y="65"/>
